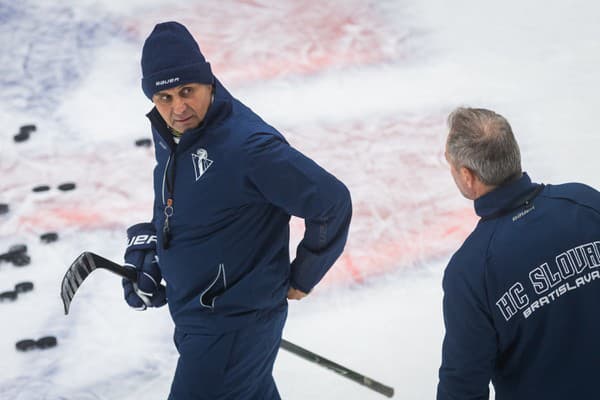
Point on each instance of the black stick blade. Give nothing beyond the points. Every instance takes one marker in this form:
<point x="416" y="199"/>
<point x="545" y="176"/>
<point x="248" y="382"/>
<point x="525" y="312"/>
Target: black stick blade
<point x="82" y="267"/>
<point x="74" y="277"/>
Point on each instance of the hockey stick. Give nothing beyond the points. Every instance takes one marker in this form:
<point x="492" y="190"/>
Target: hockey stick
<point x="87" y="262"/>
<point x="338" y="369"/>
<point x="82" y="267"/>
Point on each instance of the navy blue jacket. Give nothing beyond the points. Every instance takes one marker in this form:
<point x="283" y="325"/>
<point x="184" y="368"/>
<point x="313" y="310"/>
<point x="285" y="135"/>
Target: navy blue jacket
<point x="234" y="182"/>
<point x="520" y="297"/>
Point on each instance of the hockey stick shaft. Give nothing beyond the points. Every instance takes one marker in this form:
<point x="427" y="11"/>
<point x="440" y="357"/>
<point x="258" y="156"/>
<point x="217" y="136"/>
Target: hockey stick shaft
<point x="338" y="369"/>
<point x="127" y="273"/>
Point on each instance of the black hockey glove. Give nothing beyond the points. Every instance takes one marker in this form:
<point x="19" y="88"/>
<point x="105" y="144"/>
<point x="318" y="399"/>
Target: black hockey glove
<point x="141" y="255"/>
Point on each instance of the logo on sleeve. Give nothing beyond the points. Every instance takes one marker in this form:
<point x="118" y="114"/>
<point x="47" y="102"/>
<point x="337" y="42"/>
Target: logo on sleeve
<point x="201" y="162"/>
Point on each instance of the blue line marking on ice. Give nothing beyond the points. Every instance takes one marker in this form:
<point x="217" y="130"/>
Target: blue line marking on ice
<point x="46" y="50"/>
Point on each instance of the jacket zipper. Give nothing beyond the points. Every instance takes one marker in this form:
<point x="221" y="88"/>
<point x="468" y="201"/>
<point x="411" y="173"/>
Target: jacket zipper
<point x="168" y="204"/>
<point x="165" y="178"/>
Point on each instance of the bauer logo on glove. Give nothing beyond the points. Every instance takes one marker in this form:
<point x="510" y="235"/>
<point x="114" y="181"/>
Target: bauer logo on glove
<point x="140" y="240"/>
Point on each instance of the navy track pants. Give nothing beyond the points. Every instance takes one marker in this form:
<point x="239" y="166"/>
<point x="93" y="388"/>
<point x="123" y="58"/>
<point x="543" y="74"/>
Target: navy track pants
<point x="235" y="365"/>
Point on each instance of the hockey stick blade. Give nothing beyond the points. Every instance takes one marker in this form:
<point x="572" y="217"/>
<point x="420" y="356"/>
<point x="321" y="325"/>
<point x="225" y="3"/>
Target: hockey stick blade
<point x="338" y="369"/>
<point x="81" y="268"/>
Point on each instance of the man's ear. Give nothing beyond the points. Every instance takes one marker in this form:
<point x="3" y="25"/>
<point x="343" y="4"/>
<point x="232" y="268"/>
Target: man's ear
<point x="468" y="177"/>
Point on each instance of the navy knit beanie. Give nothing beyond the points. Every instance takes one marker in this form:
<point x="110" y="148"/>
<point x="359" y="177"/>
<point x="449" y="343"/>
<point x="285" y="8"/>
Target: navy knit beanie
<point x="171" y="57"/>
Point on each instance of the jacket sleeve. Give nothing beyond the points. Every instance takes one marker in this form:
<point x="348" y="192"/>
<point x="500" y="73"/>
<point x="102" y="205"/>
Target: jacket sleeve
<point x="291" y="181"/>
<point x="469" y="349"/>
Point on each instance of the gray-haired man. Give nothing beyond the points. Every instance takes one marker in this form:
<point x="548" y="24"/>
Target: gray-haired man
<point x="520" y="294"/>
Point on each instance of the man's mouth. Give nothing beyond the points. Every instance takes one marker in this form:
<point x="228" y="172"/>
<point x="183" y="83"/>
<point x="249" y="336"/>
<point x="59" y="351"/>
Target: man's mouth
<point x="182" y="120"/>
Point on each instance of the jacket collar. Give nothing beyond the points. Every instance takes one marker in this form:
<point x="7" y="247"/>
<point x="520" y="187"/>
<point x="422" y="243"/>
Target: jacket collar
<point x="217" y="112"/>
<point x="507" y="197"/>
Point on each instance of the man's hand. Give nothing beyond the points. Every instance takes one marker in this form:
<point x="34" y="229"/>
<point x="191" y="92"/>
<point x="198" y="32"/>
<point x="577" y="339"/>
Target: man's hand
<point x="140" y="254"/>
<point x="295" y="294"/>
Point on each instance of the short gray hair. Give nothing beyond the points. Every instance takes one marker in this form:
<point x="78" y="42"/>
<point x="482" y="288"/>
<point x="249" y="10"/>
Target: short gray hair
<point x="483" y="142"/>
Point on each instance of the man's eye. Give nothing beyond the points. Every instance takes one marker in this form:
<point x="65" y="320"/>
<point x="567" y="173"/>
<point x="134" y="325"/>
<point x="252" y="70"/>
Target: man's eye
<point x="186" y="91"/>
<point x="164" y="98"/>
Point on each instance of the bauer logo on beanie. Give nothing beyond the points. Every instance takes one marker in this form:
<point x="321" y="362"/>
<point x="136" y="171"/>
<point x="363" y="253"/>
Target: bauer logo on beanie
<point x="171" y="57"/>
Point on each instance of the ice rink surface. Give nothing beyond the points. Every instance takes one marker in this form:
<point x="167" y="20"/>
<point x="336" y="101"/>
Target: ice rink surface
<point x="362" y="87"/>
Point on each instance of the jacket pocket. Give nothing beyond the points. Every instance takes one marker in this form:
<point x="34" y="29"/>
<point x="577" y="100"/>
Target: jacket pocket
<point x="215" y="289"/>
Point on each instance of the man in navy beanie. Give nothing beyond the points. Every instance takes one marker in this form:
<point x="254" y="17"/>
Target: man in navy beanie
<point x="225" y="186"/>
<point x="520" y="295"/>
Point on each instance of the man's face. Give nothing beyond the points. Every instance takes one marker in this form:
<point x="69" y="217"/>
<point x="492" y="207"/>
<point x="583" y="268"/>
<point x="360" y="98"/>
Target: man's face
<point x="183" y="107"/>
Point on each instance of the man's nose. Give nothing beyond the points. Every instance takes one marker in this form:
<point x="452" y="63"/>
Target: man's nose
<point x="179" y="105"/>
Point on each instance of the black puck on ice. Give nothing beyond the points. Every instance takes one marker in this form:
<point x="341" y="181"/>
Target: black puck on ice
<point x="14" y="251"/>
<point x="46" y="342"/>
<point x="26" y="345"/>
<point x="66" y="186"/>
<point x="143" y="142"/>
<point x="11" y="295"/>
<point x="21" y="137"/>
<point x="17" y="249"/>
<point x="49" y="237"/>
<point x="3" y="208"/>
<point x="20" y="260"/>
<point x="24" y="287"/>
<point x="41" y="188"/>
<point x="28" y="128"/>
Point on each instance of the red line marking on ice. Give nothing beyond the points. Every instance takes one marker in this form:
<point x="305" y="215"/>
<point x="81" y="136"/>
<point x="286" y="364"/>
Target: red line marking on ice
<point x="253" y="40"/>
<point x="357" y="275"/>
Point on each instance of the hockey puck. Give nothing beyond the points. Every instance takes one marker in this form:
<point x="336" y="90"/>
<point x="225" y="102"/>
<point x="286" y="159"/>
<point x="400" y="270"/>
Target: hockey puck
<point x="11" y="295"/>
<point x="24" y="287"/>
<point x="17" y="249"/>
<point x="21" y="137"/>
<point x="41" y="188"/>
<point x="26" y="345"/>
<point x="28" y="128"/>
<point x="49" y="237"/>
<point x="20" y="260"/>
<point x="46" y="342"/>
<point x="66" y="186"/>
<point x="13" y="251"/>
<point x="143" y="142"/>
<point x="3" y="208"/>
